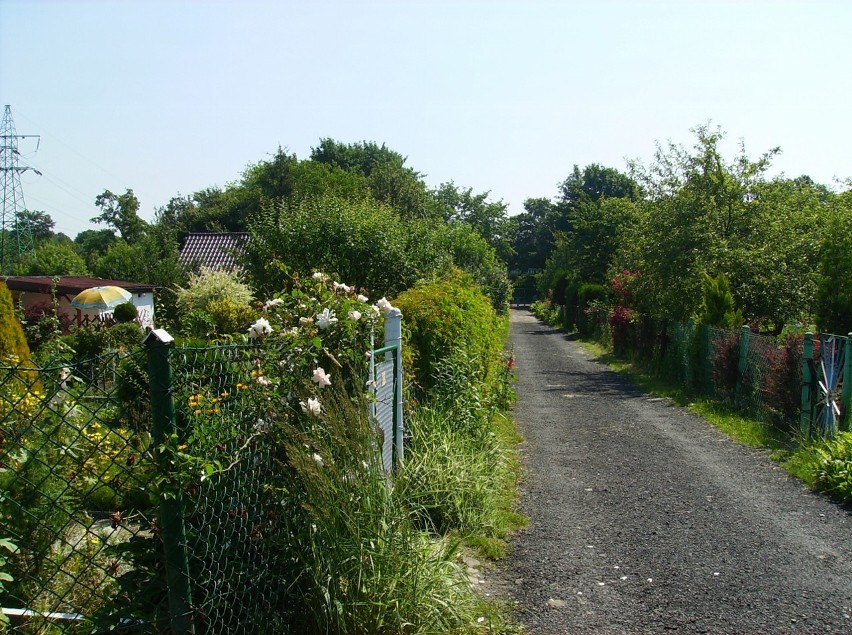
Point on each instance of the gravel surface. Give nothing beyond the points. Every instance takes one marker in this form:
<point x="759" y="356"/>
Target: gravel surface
<point x="646" y="519"/>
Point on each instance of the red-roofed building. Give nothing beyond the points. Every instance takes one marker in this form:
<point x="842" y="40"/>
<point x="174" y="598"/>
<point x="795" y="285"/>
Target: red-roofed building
<point x="33" y="291"/>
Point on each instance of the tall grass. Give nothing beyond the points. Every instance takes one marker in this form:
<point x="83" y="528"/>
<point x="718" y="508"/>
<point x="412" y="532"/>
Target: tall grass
<point x="357" y="561"/>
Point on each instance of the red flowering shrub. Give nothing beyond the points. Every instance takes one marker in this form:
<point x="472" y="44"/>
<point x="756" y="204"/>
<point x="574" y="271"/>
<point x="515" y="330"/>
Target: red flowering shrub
<point x="782" y="384"/>
<point x="725" y="365"/>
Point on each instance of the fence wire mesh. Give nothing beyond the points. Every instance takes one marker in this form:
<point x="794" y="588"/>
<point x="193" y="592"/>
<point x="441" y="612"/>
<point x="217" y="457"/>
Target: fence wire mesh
<point x="125" y="522"/>
<point x="765" y="383"/>
<point x="74" y="464"/>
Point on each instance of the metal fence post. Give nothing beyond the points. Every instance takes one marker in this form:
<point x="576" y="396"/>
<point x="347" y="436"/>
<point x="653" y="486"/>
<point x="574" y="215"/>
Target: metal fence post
<point x="807" y="380"/>
<point x="846" y="392"/>
<point x="393" y="337"/>
<point x="742" y="365"/>
<point x="159" y="346"/>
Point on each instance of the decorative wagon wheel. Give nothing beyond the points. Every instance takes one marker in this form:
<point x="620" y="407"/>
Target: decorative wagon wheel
<point x="829" y="382"/>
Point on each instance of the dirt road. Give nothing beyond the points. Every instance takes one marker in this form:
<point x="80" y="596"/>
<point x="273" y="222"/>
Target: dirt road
<point x="645" y="519"/>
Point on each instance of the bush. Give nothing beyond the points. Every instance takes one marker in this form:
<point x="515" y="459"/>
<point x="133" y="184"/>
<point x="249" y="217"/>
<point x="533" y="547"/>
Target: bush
<point x="209" y="285"/>
<point x="442" y="317"/>
<point x="362" y="241"/>
<point x="834" y="466"/>
<point x="726" y="365"/>
<point x="229" y="316"/>
<point x="782" y="384"/>
<point x="718" y="306"/>
<point x="125" y="312"/>
<point x="589" y="296"/>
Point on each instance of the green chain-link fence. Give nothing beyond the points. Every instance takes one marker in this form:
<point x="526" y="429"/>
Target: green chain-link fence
<point x="143" y="494"/>
<point x="798" y="383"/>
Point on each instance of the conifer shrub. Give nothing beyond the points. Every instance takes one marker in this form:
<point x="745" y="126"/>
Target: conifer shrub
<point x="13" y="341"/>
<point x="718" y="304"/>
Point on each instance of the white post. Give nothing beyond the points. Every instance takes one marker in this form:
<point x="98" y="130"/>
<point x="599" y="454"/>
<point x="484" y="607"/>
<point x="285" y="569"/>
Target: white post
<point x="393" y="337"/>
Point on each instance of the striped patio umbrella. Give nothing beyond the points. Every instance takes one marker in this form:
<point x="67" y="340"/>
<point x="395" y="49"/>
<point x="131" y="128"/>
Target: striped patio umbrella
<point x="101" y="298"/>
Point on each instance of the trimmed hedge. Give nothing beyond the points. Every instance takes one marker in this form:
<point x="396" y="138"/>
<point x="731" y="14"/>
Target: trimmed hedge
<point x="444" y="316"/>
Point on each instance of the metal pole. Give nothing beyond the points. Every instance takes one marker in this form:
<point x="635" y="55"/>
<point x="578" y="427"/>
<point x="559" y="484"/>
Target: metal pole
<point x="393" y="337"/>
<point x="164" y="427"/>
<point x="846" y="391"/>
<point x="807" y="379"/>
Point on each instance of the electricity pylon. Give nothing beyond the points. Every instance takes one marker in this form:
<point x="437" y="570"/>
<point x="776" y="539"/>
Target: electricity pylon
<point x="13" y="226"/>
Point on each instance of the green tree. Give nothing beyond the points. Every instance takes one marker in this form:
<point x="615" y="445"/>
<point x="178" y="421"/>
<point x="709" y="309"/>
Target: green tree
<point x="91" y="244"/>
<point x="51" y="259"/>
<point x="121" y="213"/>
<point x="834" y="290"/>
<point x="39" y="224"/>
<point x="595" y="182"/>
<point x="533" y="238"/>
<point x="488" y="218"/>
<point x="697" y="210"/>
<point x="391" y="181"/>
<point x="364" y="242"/>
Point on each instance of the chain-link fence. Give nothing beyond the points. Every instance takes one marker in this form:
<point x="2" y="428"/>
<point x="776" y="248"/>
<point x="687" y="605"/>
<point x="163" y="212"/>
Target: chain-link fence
<point x="74" y="467"/>
<point x="143" y="495"/>
<point x="798" y="383"/>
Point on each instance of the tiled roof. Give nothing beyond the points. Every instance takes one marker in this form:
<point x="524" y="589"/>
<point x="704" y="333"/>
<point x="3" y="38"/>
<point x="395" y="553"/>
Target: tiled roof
<point x="70" y="285"/>
<point x="214" y="250"/>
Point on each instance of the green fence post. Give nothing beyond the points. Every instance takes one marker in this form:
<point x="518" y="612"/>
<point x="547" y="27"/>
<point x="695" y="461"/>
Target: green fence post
<point x="807" y="379"/>
<point x="745" y="335"/>
<point x="846" y="392"/>
<point x="159" y="345"/>
<point x="706" y="361"/>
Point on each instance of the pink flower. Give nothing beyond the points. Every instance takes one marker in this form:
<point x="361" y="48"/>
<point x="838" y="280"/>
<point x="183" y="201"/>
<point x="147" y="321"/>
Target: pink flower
<point x="321" y="378"/>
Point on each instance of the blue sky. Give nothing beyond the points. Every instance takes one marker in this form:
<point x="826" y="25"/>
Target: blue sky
<point x="173" y="97"/>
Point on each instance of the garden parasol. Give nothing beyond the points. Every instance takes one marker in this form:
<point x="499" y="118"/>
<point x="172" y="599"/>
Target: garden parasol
<point x="101" y="298"/>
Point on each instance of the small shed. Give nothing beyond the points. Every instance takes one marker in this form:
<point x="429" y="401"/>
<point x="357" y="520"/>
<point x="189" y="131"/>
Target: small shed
<point x="33" y="291"/>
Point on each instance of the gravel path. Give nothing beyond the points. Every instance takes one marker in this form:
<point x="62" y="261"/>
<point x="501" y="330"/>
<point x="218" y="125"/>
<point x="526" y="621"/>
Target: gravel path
<point x="646" y="519"/>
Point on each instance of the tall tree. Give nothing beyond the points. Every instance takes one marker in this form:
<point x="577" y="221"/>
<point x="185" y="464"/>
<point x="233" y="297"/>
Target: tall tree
<point x="703" y="214"/>
<point x="391" y="181"/>
<point x="121" y="213"/>
<point x="489" y="218"/>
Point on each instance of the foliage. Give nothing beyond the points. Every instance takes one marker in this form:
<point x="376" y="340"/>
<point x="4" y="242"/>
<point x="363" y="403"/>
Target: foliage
<point x="13" y="341"/>
<point x="125" y="312"/>
<point x="362" y="241"/>
<point x="725" y="365"/>
<point x="834" y="466"/>
<point x="834" y="290"/>
<point x="51" y="259"/>
<point x="209" y="285"/>
<point x="390" y="181"/>
<point x="532" y="241"/>
<point x="489" y="219"/>
<point x="229" y="316"/>
<point x="121" y="213"/>
<point x="782" y="383"/>
<point x="471" y="253"/>
<point x="92" y="243"/>
<point x="590" y="297"/>
<point x="5" y="577"/>
<point x="443" y="316"/>
<point x="718" y="306"/>
<point x="39" y="225"/>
